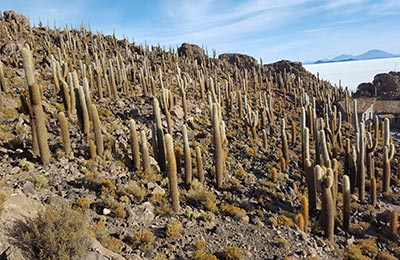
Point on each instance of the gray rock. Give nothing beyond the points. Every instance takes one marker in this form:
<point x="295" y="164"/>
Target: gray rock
<point x="143" y="214"/>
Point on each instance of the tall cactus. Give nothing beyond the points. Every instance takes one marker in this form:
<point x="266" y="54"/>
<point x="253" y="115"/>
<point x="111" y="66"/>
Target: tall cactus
<point x="217" y="140"/>
<point x="40" y="123"/>
<point x="328" y="206"/>
<point x="361" y="162"/>
<point x="285" y="150"/>
<point x="37" y="109"/>
<point x="98" y="136"/>
<point x="172" y="176"/>
<point x="199" y="165"/>
<point x="145" y="153"/>
<point x="158" y="135"/>
<point x="373" y="191"/>
<point x="346" y="202"/>
<point x="187" y="157"/>
<point x="311" y="184"/>
<point x="134" y="141"/>
<point x="3" y="85"/>
<point x="65" y="133"/>
<point x="388" y="154"/>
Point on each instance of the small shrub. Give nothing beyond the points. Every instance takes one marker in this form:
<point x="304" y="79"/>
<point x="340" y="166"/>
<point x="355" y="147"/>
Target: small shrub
<point x="199" y="197"/>
<point x="174" y="228"/>
<point x="57" y="233"/>
<point x="232" y="253"/>
<point x="200" y="245"/>
<point x="361" y="249"/>
<point x="83" y="203"/>
<point x="282" y="242"/>
<point x="233" y="211"/>
<point x="113" y="243"/>
<point x="142" y="239"/>
<point x="99" y="228"/>
<point x="200" y="255"/>
<point x="39" y="181"/>
<point x="136" y="190"/>
<point x="285" y="221"/>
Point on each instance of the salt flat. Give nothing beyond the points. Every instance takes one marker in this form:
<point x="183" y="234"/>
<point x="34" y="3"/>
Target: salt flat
<point x="352" y="73"/>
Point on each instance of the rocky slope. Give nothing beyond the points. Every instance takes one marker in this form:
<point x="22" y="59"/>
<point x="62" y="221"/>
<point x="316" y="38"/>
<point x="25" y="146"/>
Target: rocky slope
<point x="124" y="207"/>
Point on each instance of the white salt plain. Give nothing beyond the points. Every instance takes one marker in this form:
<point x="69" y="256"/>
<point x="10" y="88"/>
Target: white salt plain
<point x="352" y="73"/>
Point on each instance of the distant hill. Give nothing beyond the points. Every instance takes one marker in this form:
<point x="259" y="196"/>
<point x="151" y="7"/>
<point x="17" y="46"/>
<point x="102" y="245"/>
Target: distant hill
<point x="369" y="55"/>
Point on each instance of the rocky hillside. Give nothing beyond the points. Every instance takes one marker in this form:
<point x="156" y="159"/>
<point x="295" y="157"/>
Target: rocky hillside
<point x="384" y="86"/>
<point x="112" y="150"/>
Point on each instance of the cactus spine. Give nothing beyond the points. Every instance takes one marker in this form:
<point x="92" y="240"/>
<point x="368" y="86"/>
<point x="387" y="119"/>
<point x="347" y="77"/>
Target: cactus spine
<point x="172" y="178"/>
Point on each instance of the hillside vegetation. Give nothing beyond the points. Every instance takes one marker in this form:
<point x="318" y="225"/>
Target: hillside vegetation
<point x="112" y="150"/>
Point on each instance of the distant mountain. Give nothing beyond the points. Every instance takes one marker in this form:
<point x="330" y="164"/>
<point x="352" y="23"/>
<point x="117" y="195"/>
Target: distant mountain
<point x="369" y="55"/>
<point x="375" y="54"/>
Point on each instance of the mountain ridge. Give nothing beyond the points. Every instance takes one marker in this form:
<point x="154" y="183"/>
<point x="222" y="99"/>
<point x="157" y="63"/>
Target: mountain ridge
<point x="369" y="55"/>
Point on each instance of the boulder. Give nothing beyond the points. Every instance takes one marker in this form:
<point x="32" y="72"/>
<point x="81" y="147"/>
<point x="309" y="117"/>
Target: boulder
<point x="191" y="50"/>
<point x="387" y="82"/>
<point x="384" y="86"/>
<point x="242" y="61"/>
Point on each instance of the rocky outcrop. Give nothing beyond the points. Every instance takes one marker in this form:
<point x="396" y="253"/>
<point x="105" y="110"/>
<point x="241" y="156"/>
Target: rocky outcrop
<point x="384" y="86"/>
<point x="18" y="18"/>
<point x="288" y="66"/>
<point x="191" y="50"/>
<point x="242" y="61"/>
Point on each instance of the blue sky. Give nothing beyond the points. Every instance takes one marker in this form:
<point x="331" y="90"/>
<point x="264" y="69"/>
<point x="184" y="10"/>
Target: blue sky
<point x="300" y="30"/>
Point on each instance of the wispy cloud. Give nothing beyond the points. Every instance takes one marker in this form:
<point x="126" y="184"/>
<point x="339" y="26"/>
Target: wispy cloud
<point x="272" y="29"/>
